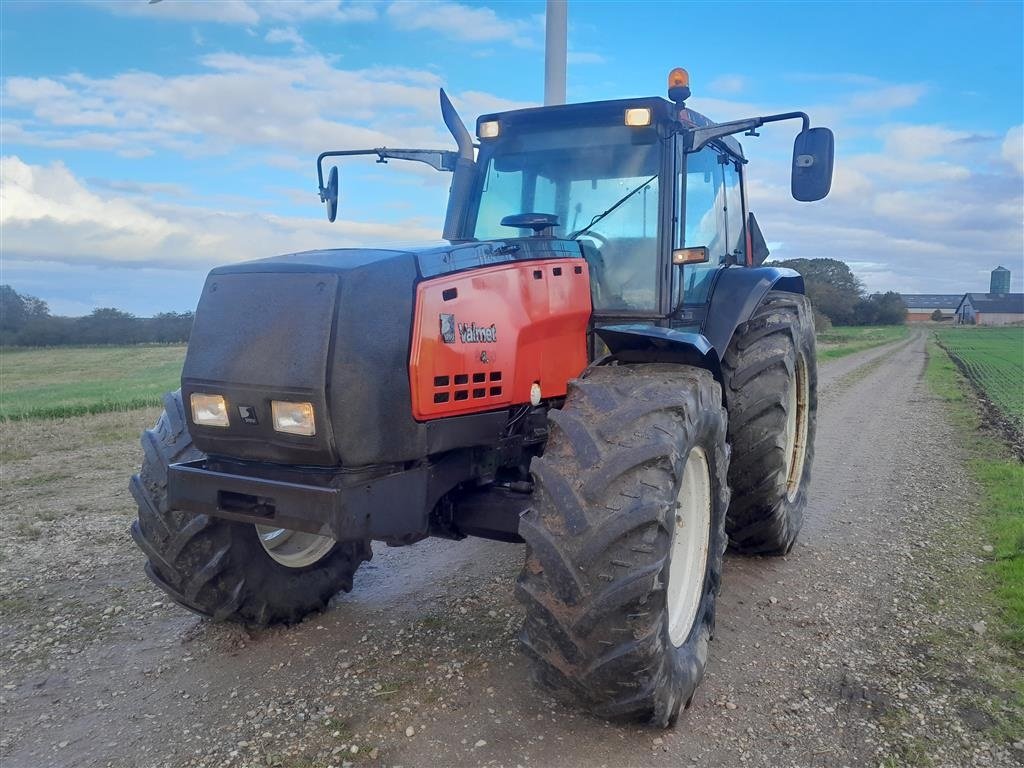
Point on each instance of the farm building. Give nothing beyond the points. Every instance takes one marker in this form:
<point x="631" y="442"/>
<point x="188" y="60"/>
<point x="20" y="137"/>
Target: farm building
<point x="990" y="309"/>
<point x="921" y="306"/>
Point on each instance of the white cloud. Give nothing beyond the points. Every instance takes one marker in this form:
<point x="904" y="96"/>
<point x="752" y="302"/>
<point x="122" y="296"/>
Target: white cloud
<point x="894" y="167"/>
<point x="298" y="11"/>
<point x="888" y="98"/>
<point x="920" y="141"/>
<point x="470" y="23"/>
<point x="299" y="104"/>
<point x="585" y="57"/>
<point x="1013" y="149"/>
<point x="245" y="12"/>
<point x="848" y="182"/>
<point x="223" y="12"/>
<point x="141" y="188"/>
<point x="286" y="35"/>
<point x="472" y="104"/>
<point x="834" y="78"/>
<point x="728" y="84"/>
<point x="51" y="198"/>
<point x="48" y="214"/>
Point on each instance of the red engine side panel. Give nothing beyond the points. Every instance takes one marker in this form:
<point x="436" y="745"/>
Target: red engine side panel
<point x="480" y="339"/>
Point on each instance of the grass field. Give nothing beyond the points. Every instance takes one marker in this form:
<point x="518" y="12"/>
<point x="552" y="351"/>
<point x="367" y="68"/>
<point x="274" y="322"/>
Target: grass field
<point x="994" y="361"/>
<point x="70" y="381"/>
<point x="1001" y="478"/>
<point x="840" y="342"/>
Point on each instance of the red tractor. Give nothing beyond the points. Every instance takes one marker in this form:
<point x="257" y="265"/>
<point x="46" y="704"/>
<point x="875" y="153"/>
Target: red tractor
<point x="595" y="363"/>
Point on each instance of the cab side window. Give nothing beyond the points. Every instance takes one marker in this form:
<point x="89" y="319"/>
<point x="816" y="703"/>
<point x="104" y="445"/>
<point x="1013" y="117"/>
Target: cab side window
<point x="735" y="242"/>
<point x="702" y="221"/>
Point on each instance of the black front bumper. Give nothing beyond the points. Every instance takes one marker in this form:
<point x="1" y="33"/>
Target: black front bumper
<point x="387" y="507"/>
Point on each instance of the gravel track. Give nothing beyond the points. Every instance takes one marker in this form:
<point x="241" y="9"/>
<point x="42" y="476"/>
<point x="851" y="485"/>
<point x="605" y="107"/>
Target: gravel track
<point x="868" y="645"/>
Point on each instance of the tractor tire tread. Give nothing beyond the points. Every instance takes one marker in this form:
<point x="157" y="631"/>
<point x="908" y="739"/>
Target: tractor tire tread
<point x="597" y="539"/>
<point x="758" y="369"/>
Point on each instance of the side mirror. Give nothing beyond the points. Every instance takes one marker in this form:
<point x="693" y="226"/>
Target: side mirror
<point x="330" y="194"/>
<point x="813" y="155"/>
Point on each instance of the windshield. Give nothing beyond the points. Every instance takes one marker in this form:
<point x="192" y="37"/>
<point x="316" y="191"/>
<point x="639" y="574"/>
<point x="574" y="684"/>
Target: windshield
<point x="594" y="179"/>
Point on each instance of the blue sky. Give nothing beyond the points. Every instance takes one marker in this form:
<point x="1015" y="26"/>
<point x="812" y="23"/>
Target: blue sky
<point x="143" y="144"/>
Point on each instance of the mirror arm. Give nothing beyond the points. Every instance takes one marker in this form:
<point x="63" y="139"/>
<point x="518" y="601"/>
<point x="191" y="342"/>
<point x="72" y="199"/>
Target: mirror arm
<point x="701" y="137"/>
<point x="438" y="159"/>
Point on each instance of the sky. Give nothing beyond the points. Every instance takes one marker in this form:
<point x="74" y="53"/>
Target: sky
<point x="144" y="144"/>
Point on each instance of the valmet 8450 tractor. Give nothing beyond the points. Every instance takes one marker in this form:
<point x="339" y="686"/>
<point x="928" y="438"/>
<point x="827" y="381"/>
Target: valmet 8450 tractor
<point x="594" y="362"/>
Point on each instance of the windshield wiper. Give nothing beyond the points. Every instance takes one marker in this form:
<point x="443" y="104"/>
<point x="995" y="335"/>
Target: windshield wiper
<point x="619" y="202"/>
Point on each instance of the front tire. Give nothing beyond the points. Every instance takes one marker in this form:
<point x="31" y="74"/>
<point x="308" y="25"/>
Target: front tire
<point x="771" y="378"/>
<point x="619" y="598"/>
<point x="222" y="569"/>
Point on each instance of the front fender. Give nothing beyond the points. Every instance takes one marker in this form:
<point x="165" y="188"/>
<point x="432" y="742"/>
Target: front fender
<point x="637" y="343"/>
<point x="737" y="293"/>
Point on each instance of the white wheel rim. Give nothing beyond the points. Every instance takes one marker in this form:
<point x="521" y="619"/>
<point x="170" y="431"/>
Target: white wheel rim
<point x="691" y="537"/>
<point x="796" y="429"/>
<point x="293" y="549"/>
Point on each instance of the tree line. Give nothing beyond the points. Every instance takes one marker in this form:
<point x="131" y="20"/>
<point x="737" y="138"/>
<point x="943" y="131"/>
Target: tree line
<point x="839" y="298"/>
<point x="25" y="321"/>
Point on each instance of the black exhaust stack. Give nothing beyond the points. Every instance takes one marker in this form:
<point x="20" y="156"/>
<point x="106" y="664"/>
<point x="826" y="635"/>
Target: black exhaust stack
<point x="465" y="171"/>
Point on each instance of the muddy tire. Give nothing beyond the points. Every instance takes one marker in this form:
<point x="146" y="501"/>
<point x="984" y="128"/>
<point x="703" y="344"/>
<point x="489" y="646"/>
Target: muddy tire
<point x="605" y="622"/>
<point x="219" y="568"/>
<point x="771" y="376"/>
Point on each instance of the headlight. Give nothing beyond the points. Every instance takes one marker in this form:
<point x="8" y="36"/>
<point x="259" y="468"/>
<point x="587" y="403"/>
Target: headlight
<point x="209" y="410"/>
<point x="294" y="418"/>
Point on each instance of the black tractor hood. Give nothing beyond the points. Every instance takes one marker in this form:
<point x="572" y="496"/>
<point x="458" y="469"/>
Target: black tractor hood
<point x="331" y="328"/>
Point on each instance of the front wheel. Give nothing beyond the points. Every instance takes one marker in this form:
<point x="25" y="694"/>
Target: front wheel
<point x="625" y="540"/>
<point x="232" y="571"/>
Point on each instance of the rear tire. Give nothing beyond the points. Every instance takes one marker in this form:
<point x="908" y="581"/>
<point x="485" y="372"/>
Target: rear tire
<point x="771" y="377"/>
<point x="219" y="568"/>
<point x="602" y="620"/>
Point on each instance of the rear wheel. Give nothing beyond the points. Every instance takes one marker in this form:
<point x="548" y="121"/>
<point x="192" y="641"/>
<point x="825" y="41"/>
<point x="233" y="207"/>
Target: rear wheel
<point x="625" y="540"/>
<point x="225" y="570"/>
<point x="771" y="376"/>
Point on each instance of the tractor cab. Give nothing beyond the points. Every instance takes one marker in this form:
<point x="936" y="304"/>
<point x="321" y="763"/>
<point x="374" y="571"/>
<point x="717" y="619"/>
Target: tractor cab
<point x="653" y="221"/>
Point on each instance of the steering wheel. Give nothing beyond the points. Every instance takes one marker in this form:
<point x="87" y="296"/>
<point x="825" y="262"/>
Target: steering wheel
<point x="595" y="260"/>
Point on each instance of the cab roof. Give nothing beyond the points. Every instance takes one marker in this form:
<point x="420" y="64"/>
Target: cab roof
<point x="600" y="113"/>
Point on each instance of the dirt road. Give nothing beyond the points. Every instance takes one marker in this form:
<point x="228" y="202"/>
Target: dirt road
<point x="866" y="646"/>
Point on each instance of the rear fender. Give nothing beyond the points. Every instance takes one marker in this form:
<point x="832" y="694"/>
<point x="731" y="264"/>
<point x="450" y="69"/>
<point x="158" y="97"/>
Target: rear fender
<point x="737" y="292"/>
<point x="653" y="344"/>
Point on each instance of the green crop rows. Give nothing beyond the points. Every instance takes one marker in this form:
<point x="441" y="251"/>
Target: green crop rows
<point x="993" y="358"/>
